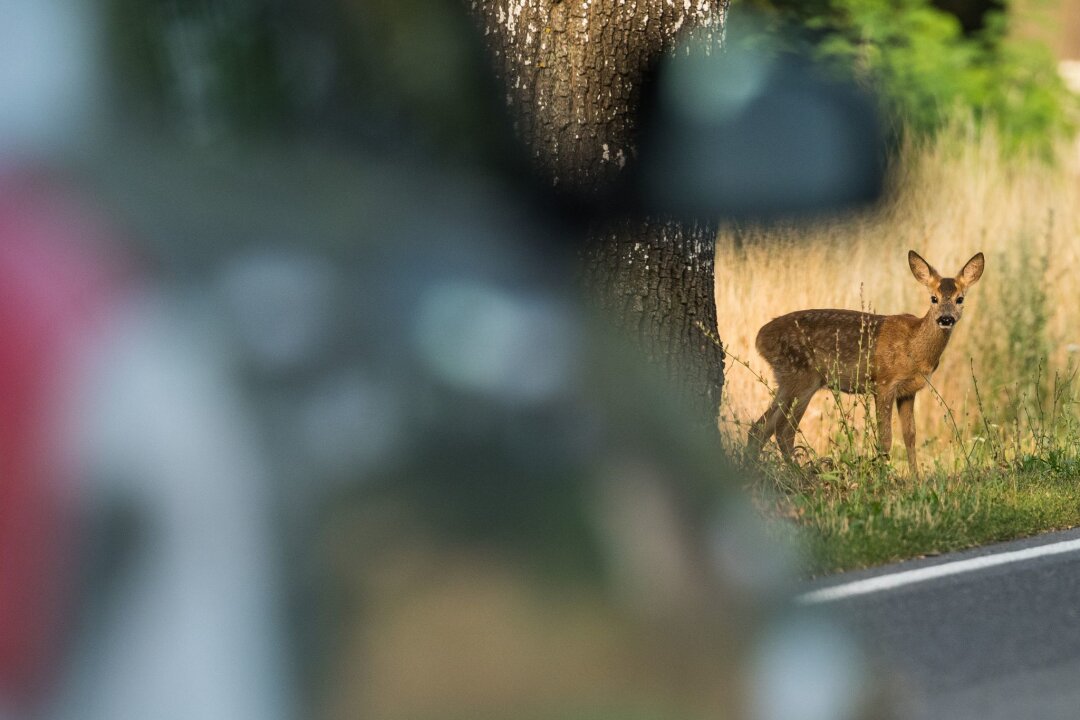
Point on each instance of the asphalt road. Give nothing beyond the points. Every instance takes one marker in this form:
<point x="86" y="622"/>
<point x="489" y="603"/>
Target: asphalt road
<point x="983" y="643"/>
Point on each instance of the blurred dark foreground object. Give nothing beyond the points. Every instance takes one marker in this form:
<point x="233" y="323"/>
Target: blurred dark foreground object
<point x="489" y="508"/>
<point x="756" y="134"/>
<point x="554" y="537"/>
<point x="495" y="510"/>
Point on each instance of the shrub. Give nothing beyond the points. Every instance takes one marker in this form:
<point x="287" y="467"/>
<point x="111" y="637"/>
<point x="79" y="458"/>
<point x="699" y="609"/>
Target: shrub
<point x="927" y="70"/>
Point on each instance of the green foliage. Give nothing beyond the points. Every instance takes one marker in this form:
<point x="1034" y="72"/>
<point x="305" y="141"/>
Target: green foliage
<point x="927" y="70"/>
<point x="884" y="521"/>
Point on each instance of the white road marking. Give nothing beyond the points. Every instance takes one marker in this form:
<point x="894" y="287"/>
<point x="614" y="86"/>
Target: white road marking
<point x="910" y="577"/>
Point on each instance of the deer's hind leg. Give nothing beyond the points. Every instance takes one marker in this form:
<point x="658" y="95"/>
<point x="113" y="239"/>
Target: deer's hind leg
<point x="764" y="427"/>
<point x="786" y="408"/>
<point x="789" y="425"/>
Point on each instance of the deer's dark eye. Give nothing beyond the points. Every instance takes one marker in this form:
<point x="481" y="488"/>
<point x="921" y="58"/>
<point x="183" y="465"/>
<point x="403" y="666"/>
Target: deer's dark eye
<point x="933" y="299"/>
<point x="959" y="301"/>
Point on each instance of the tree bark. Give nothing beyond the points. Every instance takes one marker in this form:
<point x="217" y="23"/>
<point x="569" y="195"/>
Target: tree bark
<point x="572" y="71"/>
<point x="654" y="278"/>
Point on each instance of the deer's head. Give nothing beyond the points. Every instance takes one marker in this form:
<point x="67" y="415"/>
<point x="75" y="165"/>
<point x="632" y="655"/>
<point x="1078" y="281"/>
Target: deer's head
<point x="946" y="294"/>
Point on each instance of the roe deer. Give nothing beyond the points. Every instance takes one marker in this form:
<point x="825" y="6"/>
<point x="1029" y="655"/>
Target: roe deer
<point x="889" y="356"/>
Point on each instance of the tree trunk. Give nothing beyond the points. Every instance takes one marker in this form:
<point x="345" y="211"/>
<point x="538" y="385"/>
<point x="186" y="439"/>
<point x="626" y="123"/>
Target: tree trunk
<point x="655" y="279"/>
<point x="572" y="70"/>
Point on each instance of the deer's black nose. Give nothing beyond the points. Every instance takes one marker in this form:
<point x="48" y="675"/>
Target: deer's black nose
<point x="946" y="321"/>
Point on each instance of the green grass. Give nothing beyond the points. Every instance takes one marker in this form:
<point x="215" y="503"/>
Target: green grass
<point x="883" y="516"/>
<point x="1011" y="471"/>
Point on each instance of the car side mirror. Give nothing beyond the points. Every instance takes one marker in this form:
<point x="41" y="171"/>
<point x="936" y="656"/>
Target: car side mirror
<point x="751" y="134"/>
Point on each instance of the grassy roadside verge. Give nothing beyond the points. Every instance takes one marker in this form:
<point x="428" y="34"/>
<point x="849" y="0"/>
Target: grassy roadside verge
<point x="884" y="517"/>
<point x="1009" y="469"/>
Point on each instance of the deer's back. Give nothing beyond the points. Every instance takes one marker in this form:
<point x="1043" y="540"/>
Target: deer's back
<point x="837" y="344"/>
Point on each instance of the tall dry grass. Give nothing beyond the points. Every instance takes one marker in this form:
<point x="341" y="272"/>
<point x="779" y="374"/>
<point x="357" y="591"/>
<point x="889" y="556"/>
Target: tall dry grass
<point x="954" y="196"/>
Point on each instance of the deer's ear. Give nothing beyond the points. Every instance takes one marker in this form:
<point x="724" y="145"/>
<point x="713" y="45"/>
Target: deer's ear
<point x="972" y="271"/>
<point x="921" y="269"/>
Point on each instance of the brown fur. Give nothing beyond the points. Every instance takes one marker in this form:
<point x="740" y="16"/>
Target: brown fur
<point x="889" y="356"/>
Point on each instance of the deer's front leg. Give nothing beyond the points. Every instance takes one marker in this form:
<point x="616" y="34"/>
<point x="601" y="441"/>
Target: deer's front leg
<point x="883" y="402"/>
<point x="905" y="408"/>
